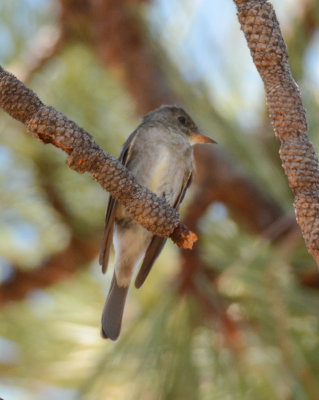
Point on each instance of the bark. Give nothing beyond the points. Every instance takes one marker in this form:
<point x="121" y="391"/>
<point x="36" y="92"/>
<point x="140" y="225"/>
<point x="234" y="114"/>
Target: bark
<point x="261" y="28"/>
<point x="50" y="126"/>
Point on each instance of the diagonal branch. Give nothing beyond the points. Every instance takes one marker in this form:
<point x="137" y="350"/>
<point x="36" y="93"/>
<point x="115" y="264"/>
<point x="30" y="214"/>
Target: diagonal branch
<point x="50" y="126"/>
<point x="262" y="31"/>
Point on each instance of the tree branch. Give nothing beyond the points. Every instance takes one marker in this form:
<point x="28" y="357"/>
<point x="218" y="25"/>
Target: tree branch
<point x="261" y="28"/>
<point x="50" y="126"/>
<point x="116" y="33"/>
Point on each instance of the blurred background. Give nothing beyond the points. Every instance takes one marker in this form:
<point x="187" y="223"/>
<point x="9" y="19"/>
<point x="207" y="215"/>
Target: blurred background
<point x="237" y="317"/>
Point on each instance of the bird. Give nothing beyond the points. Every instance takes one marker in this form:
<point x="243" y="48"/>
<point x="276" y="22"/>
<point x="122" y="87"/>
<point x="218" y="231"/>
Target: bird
<point x="159" y="153"/>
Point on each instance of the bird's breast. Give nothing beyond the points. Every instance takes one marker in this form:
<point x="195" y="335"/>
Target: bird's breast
<point x="161" y="168"/>
<point x="160" y="171"/>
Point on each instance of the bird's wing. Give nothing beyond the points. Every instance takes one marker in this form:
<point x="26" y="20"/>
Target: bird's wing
<point x="157" y="242"/>
<point x="111" y="207"/>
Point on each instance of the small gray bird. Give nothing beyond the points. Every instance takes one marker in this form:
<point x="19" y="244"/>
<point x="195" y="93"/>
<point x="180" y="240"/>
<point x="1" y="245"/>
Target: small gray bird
<point x="160" y="156"/>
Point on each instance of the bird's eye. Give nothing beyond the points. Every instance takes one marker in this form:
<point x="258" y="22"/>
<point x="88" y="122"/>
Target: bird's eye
<point x="182" y="120"/>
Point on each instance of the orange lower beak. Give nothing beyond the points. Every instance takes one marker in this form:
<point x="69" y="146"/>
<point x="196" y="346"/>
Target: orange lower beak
<point x="197" y="137"/>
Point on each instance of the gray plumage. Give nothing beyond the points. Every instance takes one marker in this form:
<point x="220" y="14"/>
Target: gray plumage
<point x="159" y="154"/>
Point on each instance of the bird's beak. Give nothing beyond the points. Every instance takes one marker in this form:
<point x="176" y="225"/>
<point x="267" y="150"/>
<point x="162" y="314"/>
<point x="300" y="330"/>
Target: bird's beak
<point x="197" y="137"/>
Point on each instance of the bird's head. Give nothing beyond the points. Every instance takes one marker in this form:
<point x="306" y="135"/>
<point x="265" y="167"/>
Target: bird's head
<point x="178" y="120"/>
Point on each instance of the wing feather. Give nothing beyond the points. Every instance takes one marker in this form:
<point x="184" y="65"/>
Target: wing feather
<point x="157" y="242"/>
<point x="111" y="207"/>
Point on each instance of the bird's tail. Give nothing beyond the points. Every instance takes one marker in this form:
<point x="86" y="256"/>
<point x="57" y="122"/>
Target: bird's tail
<point x="113" y="311"/>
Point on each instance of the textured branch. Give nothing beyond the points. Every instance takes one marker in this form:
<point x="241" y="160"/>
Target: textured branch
<point x="50" y="126"/>
<point x="261" y="28"/>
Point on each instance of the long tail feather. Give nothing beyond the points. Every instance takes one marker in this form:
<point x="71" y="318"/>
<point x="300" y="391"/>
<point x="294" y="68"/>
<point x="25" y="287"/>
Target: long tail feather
<point x="113" y="311"/>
